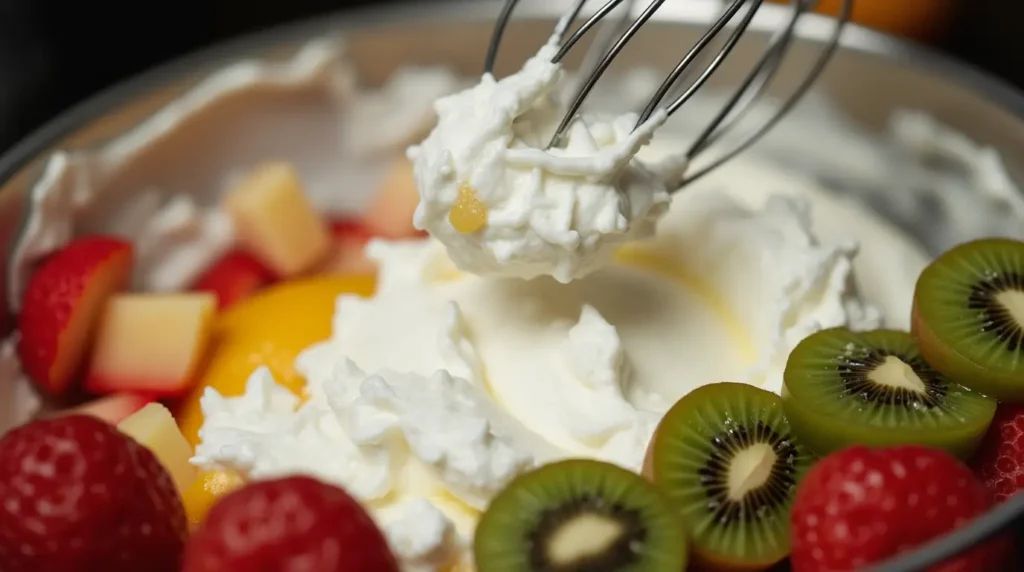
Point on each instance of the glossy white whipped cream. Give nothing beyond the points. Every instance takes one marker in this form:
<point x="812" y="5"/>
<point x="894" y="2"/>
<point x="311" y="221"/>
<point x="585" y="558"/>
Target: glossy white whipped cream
<point x="424" y="453"/>
<point x="584" y="369"/>
<point x="558" y="212"/>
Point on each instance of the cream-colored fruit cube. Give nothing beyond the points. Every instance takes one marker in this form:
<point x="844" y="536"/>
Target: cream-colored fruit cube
<point x="151" y="343"/>
<point x="276" y="222"/>
<point x="154" y="427"/>
<point x="392" y="207"/>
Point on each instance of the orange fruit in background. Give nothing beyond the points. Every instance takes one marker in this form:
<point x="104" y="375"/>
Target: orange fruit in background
<point x="916" y="19"/>
<point x="269" y="329"/>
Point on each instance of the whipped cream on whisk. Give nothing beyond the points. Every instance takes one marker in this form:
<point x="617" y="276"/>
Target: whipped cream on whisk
<point x="504" y="205"/>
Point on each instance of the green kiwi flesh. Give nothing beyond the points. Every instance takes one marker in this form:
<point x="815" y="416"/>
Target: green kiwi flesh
<point x="725" y="455"/>
<point x="873" y="388"/>
<point x="968" y="317"/>
<point x="580" y="515"/>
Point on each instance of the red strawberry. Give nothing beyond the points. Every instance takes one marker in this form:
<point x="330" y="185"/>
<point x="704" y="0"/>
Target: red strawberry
<point x="288" y="525"/>
<point x="63" y="301"/>
<point x="234" y="277"/>
<point x="76" y="495"/>
<point x="862" y="506"/>
<point x="999" y="462"/>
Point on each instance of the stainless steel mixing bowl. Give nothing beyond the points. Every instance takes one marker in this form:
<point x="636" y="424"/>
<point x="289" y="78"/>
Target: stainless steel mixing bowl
<point x="870" y="77"/>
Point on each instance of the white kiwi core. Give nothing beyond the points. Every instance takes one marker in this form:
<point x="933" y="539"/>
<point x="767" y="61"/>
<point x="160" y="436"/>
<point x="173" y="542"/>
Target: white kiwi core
<point x="1013" y="302"/>
<point x="749" y="469"/>
<point x="584" y="536"/>
<point x="895" y="373"/>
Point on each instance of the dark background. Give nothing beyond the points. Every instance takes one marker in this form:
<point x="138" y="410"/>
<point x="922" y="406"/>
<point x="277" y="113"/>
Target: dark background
<point x="54" y="53"/>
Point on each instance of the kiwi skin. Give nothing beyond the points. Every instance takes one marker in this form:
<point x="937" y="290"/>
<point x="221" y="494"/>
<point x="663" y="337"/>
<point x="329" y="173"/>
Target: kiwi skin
<point x="956" y="366"/>
<point x="494" y="539"/>
<point x="823" y="434"/>
<point x="815" y="433"/>
<point x="702" y="560"/>
<point x="944" y="356"/>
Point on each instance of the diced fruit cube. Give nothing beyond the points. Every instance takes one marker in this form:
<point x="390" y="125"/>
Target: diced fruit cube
<point x="207" y="488"/>
<point x="154" y="427"/>
<point x="151" y="343"/>
<point x="275" y="221"/>
<point x="235" y="276"/>
<point x="112" y="408"/>
<point x="63" y="300"/>
<point x="350" y="238"/>
<point x="390" y="212"/>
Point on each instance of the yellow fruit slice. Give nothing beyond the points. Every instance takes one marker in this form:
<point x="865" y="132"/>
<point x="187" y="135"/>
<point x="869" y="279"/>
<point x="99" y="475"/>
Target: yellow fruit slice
<point x="206" y="490"/>
<point x="269" y="329"/>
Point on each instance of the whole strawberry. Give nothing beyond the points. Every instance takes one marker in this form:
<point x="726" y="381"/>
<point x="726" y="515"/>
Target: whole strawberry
<point x="295" y="524"/>
<point x="861" y="506"/>
<point x="999" y="462"/>
<point x="76" y="495"/>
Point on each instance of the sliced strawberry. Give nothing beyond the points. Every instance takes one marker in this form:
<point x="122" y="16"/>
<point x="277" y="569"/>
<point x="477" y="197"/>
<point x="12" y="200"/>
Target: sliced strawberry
<point x="63" y="301"/>
<point x="76" y="495"/>
<point x="112" y="408"/>
<point x="236" y="276"/>
<point x="151" y="343"/>
<point x="295" y="523"/>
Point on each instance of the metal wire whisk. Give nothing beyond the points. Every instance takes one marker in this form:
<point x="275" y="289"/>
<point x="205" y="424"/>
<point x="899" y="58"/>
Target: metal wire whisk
<point x="749" y="91"/>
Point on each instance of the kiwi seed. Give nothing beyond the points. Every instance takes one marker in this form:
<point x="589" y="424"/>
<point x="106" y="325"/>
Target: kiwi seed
<point x="873" y="388"/>
<point x="580" y="516"/>
<point x="725" y="455"/>
<point x="968" y="317"/>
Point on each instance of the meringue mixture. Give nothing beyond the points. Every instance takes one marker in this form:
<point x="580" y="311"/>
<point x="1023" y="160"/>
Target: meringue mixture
<point x="545" y="318"/>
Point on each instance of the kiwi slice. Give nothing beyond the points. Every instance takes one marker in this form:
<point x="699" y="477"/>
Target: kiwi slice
<point x="580" y="516"/>
<point x="873" y="388"/>
<point x="968" y="317"/>
<point x="725" y="456"/>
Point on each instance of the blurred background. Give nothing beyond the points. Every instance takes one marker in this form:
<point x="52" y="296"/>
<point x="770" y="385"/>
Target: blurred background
<point x="54" y="53"/>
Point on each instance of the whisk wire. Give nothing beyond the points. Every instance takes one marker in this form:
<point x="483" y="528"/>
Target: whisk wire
<point x="761" y="77"/>
<point x="831" y="45"/>
<point x="602" y="66"/>
<point x="718" y="59"/>
<point x="687" y="60"/>
<point x="499" y="31"/>
<point x="602" y="43"/>
<point x="590" y="23"/>
<point x="566" y="23"/>
<point x="752" y="87"/>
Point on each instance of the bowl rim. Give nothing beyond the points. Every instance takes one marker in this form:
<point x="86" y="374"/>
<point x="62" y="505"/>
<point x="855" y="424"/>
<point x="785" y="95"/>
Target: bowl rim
<point x="44" y="139"/>
<point x="854" y="38"/>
